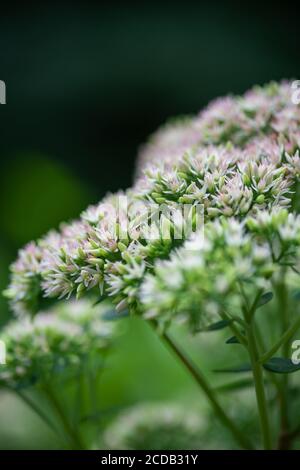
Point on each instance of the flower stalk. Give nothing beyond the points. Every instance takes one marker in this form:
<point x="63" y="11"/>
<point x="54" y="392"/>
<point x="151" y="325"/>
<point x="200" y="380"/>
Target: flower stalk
<point x="258" y="378"/>
<point x="72" y="434"/>
<point x="287" y="333"/>
<point x="195" y="372"/>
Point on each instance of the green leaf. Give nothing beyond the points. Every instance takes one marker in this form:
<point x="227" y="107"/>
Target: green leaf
<point x="219" y="325"/>
<point x="98" y="415"/>
<point x="240" y="368"/>
<point x="233" y="340"/>
<point x="232" y="386"/>
<point x="281" y="365"/>
<point x="97" y="302"/>
<point x="265" y="298"/>
<point x="296" y="295"/>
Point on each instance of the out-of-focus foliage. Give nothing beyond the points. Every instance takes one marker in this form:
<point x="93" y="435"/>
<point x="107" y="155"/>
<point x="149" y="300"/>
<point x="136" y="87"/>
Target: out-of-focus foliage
<point x="169" y="426"/>
<point x="37" y="192"/>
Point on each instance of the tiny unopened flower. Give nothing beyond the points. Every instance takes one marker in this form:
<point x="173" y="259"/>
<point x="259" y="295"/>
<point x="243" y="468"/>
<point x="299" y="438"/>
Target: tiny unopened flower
<point x="62" y="260"/>
<point x="123" y="280"/>
<point x="233" y="198"/>
<point x="293" y="163"/>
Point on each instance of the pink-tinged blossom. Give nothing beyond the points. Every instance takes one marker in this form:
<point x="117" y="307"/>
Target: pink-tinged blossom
<point x="260" y="112"/>
<point x="239" y="157"/>
<point x="24" y="288"/>
<point x="207" y="275"/>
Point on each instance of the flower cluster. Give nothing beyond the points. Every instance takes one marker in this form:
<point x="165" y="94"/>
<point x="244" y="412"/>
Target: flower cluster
<point x="262" y="111"/>
<point x="24" y="288"/>
<point x="156" y="427"/>
<point x="226" y="180"/>
<point x="107" y="252"/>
<point x="39" y="348"/>
<point x="208" y="273"/>
<point x="168" y="143"/>
<point x="94" y="253"/>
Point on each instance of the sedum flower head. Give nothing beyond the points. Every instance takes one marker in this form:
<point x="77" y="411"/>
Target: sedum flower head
<point x="39" y="348"/>
<point x="238" y="159"/>
<point x="226" y="180"/>
<point x="207" y="273"/>
<point x="262" y="111"/>
<point x="94" y="255"/>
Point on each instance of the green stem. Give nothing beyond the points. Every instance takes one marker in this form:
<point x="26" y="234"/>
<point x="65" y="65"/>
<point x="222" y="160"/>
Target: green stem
<point x="34" y="407"/>
<point x="74" y="438"/>
<point x="261" y="348"/>
<point x="259" y="387"/>
<point x="283" y="340"/>
<point x="235" y="330"/>
<point x="295" y="200"/>
<point x="282" y="298"/>
<point x="201" y="380"/>
<point x="255" y="303"/>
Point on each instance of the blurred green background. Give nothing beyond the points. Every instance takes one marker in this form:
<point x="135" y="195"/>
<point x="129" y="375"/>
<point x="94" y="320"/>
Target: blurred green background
<point x="86" y="84"/>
